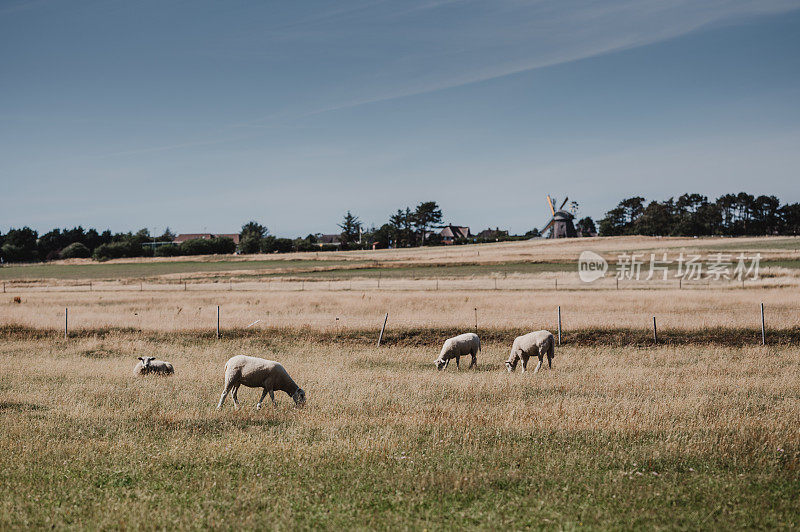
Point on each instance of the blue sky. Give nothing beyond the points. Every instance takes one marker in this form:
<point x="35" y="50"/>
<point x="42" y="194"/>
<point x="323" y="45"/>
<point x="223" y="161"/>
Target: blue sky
<point x="203" y="115"/>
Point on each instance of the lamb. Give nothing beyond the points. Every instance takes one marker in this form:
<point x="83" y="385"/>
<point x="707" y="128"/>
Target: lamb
<point x="148" y="365"/>
<point x="256" y="372"/>
<point x="538" y="344"/>
<point x="458" y="346"/>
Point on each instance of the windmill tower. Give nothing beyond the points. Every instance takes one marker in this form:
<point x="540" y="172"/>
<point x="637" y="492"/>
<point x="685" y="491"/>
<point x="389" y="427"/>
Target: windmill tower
<point x="561" y="221"/>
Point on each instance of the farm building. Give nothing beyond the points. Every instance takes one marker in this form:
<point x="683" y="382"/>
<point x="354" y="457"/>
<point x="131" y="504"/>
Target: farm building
<point x="329" y="239"/>
<point x="450" y="233"/>
<point x="492" y="234"/>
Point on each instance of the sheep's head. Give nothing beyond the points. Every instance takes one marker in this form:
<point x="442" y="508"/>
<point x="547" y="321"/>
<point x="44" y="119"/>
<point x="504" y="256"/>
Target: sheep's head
<point x="146" y="361"/>
<point x="439" y="363"/>
<point x="511" y="365"/>
<point x="299" y="397"/>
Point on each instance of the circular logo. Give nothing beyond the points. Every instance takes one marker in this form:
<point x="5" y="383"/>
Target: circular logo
<point x="591" y="266"/>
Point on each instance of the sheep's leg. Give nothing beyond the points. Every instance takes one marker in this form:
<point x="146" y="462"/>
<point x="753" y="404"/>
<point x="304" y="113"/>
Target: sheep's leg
<point x="228" y="387"/>
<point x="539" y="365"/>
<point x="446" y="363"/>
<point x="263" y="395"/>
<point x="272" y="396"/>
<point x="524" y="364"/>
<point x="474" y="361"/>
<point x="549" y="362"/>
<point x="458" y="359"/>
<point x="236" y="397"/>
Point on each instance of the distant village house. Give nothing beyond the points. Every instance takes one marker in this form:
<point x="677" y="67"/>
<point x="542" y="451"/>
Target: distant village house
<point x="492" y="234"/>
<point x="451" y="233"/>
<point x="335" y="240"/>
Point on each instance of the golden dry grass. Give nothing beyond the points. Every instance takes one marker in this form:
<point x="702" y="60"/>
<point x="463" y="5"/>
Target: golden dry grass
<point x="360" y="310"/>
<point x="611" y="438"/>
<point x="696" y="435"/>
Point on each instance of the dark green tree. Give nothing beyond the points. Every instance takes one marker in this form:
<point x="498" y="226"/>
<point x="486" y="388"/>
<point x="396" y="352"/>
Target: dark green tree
<point x="426" y="215"/>
<point x="402" y="228"/>
<point x="351" y="230"/>
<point x="19" y="245"/>
<point x="251" y="237"/>
<point x="614" y="222"/>
<point x="586" y="227"/>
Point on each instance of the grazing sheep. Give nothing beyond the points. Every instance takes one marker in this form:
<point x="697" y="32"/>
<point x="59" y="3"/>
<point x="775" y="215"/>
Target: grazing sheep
<point x="458" y="346"/>
<point x="537" y="344"/>
<point x="259" y="373"/>
<point x="148" y="365"/>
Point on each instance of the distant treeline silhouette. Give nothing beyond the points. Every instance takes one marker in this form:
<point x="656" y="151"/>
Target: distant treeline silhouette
<point x="690" y="215"/>
<point x="693" y="215"/>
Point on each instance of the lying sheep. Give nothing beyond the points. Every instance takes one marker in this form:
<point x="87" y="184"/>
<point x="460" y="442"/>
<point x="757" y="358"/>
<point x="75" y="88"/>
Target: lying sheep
<point x="258" y="373"/>
<point x="148" y="365"/>
<point x="458" y="346"/>
<point x="537" y="344"/>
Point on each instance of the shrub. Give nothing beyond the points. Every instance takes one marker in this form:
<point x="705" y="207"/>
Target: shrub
<point x="12" y="253"/>
<point x="76" y="250"/>
<point x="168" y="250"/>
<point x="116" y="250"/>
<point x="223" y="245"/>
<point x="250" y="243"/>
<point x="283" y="245"/>
<point x="197" y="246"/>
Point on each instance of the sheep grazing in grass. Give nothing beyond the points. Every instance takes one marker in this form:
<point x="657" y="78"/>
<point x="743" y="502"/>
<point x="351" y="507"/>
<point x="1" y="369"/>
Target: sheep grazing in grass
<point x="151" y="366"/>
<point x="259" y="373"/>
<point x="458" y="346"/>
<point x="536" y="344"/>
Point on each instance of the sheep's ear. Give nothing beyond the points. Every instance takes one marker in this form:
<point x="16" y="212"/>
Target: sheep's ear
<point x="140" y="358"/>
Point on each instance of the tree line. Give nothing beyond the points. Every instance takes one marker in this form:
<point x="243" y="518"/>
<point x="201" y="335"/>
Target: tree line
<point x="690" y="215"/>
<point x="739" y="214"/>
<point x="26" y="245"/>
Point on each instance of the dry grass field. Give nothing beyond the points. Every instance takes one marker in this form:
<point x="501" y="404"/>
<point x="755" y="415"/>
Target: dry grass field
<point x="701" y="438"/>
<point x="699" y="431"/>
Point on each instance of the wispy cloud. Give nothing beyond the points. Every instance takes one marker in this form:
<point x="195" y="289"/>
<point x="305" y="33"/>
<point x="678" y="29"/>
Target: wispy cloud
<point x="471" y="42"/>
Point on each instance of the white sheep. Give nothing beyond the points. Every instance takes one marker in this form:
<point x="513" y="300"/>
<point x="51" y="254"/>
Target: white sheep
<point x="458" y="346"/>
<point x="537" y="344"/>
<point x="256" y="372"/>
<point x="148" y="365"/>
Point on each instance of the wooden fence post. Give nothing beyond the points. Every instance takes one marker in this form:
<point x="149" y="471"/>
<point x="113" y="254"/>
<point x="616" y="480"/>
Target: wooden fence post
<point x="66" y="320"/>
<point x="763" y="327"/>
<point x="655" y="331"/>
<point x="217" y="322"/>
<point x="559" y="325"/>
<point x="476" y="320"/>
<point x="385" y="319"/>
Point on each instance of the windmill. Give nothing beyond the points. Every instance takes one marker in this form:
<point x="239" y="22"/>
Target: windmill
<point x="561" y="221"/>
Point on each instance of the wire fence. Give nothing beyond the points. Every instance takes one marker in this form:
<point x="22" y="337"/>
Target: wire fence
<point x="393" y="284"/>
<point x="561" y="320"/>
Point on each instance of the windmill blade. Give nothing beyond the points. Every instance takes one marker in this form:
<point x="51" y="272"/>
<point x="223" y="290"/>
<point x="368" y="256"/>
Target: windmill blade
<point x="565" y="202"/>
<point x="550" y="202"/>
<point x="548" y="226"/>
